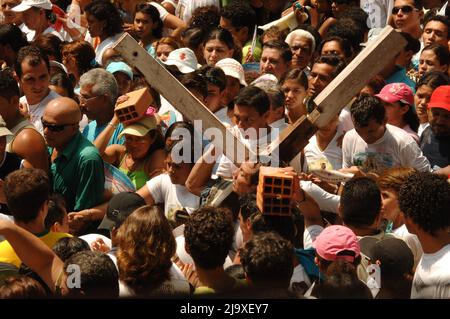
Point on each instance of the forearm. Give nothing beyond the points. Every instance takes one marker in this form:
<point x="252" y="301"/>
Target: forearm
<point x="33" y="252"/>
<point x="102" y="140"/>
<point x="202" y="171"/>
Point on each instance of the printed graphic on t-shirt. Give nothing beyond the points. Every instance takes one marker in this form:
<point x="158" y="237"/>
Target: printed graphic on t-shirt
<point x="372" y="161"/>
<point x="321" y="163"/>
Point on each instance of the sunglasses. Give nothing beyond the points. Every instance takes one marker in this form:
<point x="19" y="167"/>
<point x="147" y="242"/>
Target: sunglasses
<point x="405" y="9"/>
<point x="55" y="127"/>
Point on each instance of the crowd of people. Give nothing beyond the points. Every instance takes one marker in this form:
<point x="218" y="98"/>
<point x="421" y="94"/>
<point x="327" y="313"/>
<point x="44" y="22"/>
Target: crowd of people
<point x="92" y="207"/>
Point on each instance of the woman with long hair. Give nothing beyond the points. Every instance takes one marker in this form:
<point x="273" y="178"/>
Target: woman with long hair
<point x="104" y="26"/>
<point x="146" y="246"/>
<point x="78" y="57"/>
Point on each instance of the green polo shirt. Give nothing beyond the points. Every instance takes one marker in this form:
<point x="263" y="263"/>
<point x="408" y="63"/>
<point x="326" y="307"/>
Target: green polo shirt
<point x="78" y="174"/>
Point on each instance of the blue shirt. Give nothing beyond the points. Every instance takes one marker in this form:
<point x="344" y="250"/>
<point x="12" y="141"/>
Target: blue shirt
<point x="400" y="76"/>
<point x="92" y="130"/>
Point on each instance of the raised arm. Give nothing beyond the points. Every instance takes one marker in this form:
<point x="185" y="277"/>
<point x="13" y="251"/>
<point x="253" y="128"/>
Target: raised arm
<point x="201" y="172"/>
<point x="34" y="253"/>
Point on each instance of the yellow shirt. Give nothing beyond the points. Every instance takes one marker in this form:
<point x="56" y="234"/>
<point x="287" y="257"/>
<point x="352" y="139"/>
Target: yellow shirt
<point x="8" y="255"/>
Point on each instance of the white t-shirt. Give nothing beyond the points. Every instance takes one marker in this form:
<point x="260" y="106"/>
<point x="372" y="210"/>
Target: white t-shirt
<point x="412" y="241"/>
<point x="174" y="197"/>
<point x="394" y="148"/>
<point x="299" y="275"/>
<point x="163" y="13"/>
<point x="422" y="127"/>
<point x="432" y="277"/>
<point x="103" y="46"/>
<point x="90" y="238"/>
<point x="28" y="32"/>
<point x="345" y="120"/>
<point x="176" y="285"/>
<point x="327" y="202"/>
<point x="185" y="8"/>
<point x="378" y="11"/>
<point x="330" y="158"/>
<point x="310" y="234"/>
<point x="51" y="30"/>
<point x="166" y="107"/>
<point x="5" y="217"/>
<point x="226" y="167"/>
<point x="279" y="124"/>
<point x="222" y="115"/>
<point x="187" y="259"/>
<point x="37" y="110"/>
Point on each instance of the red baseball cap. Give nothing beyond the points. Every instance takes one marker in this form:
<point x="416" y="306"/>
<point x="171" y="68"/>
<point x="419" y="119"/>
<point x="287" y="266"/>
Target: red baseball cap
<point x="334" y="240"/>
<point x="440" y="98"/>
<point x="395" y="92"/>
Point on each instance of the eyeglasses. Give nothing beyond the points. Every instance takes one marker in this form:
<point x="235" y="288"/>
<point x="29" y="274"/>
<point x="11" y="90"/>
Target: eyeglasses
<point x="85" y="100"/>
<point x="405" y="9"/>
<point x="55" y="127"/>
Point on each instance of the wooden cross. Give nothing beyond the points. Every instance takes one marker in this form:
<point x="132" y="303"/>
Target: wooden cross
<point x="369" y="62"/>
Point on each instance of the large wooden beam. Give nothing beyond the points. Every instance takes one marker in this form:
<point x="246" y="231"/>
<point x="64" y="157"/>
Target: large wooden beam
<point x="368" y="63"/>
<point x="186" y="103"/>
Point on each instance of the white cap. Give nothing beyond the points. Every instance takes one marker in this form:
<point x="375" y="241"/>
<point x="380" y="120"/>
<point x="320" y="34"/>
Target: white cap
<point x="184" y="59"/>
<point x="27" y="4"/>
<point x="232" y="68"/>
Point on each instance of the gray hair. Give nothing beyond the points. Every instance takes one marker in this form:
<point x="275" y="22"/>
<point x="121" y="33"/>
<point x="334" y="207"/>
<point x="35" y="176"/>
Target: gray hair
<point x="301" y="33"/>
<point x="103" y="83"/>
<point x="274" y="92"/>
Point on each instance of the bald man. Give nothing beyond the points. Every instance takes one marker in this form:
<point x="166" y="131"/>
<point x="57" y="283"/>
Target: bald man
<point x="76" y="165"/>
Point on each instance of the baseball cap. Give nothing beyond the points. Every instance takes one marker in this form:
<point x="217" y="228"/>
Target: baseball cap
<point x="27" y="4"/>
<point x="232" y="68"/>
<point x="184" y="59"/>
<point x="440" y="98"/>
<point x="395" y="257"/>
<point x="265" y="80"/>
<point x="120" y="66"/>
<point x="119" y="208"/>
<point x="141" y="127"/>
<point x="4" y="131"/>
<point x="335" y="241"/>
<point x="395" y="92"/>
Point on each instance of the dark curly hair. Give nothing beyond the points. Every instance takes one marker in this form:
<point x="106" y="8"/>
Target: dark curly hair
<point x="26" y="190"/>
<point x="207" y="17"/>
<point x="209" y="234"/>
<point x="146" y="246"/>
<point x="104" y="10"/>
<point x="267" y="260"/>
<point x="425" y="198"/>
<point x="240" y="14"/>
<point x="366" y="108"/>
<point x="34" y="57"/>
<point x="8" y="85"/>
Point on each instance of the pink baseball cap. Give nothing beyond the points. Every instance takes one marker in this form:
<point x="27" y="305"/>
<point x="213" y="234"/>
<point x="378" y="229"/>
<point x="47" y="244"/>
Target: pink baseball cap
<point x="334" y="240"/>
<point x="395" y="92"/>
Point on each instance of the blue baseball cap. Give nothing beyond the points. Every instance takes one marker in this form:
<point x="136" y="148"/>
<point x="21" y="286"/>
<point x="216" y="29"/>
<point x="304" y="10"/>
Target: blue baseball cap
<point x="114" y="67"/>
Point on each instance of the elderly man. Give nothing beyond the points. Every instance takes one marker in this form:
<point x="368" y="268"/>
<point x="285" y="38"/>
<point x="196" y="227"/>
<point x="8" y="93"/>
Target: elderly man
<point x="98" y="95"/>
<point x="303" y="45"/>
<point x="76" y="165"/>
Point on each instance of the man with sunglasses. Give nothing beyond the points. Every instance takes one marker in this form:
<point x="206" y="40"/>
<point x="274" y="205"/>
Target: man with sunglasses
<point x="76" y="165"/>
<point x="406" y="16"/>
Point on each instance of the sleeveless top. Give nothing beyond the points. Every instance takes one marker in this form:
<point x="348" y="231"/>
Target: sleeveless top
<point x="16" y="130"/>
<point x="138" y="177"/>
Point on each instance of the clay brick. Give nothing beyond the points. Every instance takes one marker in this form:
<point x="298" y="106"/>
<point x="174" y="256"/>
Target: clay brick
<point x="135" y="107"/>
<point x="275" y="190"/>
